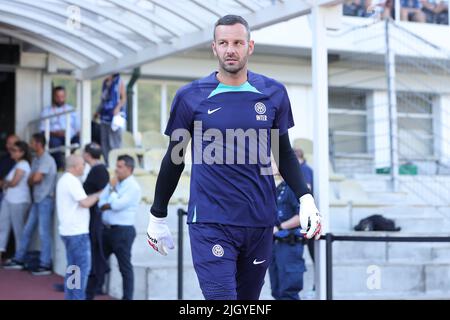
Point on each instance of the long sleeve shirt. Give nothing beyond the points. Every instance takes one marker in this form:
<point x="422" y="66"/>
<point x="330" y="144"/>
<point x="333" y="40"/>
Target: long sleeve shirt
<point x="124" y="202"/>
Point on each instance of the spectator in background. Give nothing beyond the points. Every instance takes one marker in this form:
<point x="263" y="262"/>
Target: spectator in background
<point x="17" y="199"/>
<point x="113" y="103"/>
<point x="96" y="181"/>
<point x="308" y="174"/>
<point x="119" y="202"/>
<point x="7" y="162"/>
<point x="383" y="8"/>
<point x="436" y="11"/>
<point x="287" y="265"/>
<point x="58" y="124"/>
<point x="411" y="10"/>
<point x="72" y="205"/>
<point x="357" y="8"/>
<point x="42" y="179"/>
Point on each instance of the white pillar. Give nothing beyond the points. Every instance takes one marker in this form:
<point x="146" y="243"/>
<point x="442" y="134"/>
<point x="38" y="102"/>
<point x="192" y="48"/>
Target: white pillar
<point x="378" y="129"/>
<point x="46" y="90"/>
<point x="397" y="7"/>
<point x="320" y="137"/>
<point x="84" y="104"/>
<point x="441" y="123"/>
<point x="301" y="102"/>
<point x="134" y="112"/>
<point x="392" y="104"/>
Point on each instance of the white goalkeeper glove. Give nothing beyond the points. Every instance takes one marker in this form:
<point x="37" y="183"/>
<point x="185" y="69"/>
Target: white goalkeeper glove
<point x="310" y="219"/>
<point x="158" y="235"/>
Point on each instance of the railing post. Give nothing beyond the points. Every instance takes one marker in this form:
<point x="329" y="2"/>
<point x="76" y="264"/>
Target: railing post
<point x="47" y="133"/>
<point x="181" y="213"/>
<point x="67" y="135"/>
<point x="329" y="264"/>
<point x="392" y="105"/>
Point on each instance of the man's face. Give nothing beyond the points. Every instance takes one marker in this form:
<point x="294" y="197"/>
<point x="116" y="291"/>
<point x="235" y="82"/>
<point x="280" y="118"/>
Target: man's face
<point x="79" y="168"/>
<point x="232" y="47"/>
<point x="10" y="143"/>
<point x="59" y="98"/>
<point x="122" y="171"/>
<point x="86" y="156"/>
<point x="34" y="145"/>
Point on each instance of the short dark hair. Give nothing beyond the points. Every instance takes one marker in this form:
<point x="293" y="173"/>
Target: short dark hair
<point x="94" y="150"/>
<point x="39" y="138"/>
<point x="58" y="88"/>
<point x="230" y="20"/>
<point x="129" y="161"/>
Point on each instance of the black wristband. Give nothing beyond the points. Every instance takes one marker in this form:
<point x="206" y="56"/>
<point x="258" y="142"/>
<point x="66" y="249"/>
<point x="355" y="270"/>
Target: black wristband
<point x="158" y="212"/>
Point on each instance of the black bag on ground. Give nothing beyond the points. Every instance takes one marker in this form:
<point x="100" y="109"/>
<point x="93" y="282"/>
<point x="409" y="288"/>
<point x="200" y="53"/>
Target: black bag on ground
<point x="376" y="222"/>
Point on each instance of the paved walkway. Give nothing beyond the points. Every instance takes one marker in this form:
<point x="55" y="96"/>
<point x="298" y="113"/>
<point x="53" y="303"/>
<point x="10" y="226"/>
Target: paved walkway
<point x="22" y="285"/>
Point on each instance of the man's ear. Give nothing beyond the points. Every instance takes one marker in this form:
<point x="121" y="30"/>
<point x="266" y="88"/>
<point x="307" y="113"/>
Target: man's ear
<point x="213" y="47"/>
<point x="251" y="47"/>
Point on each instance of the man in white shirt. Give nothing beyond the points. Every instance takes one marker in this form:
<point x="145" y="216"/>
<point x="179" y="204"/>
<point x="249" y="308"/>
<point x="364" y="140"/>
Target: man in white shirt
<point x="72" y="205"/>
<point x="58" y="124"/>
<point x="119" y="202"/>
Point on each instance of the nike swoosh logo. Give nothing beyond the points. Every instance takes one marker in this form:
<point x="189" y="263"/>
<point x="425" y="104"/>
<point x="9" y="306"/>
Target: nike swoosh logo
<point x="214" y="110"/>
<point x="258" y="262"/>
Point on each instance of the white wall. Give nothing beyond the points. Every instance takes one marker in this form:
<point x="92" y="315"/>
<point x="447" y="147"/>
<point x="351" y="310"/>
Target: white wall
<point x="28" y="98"/>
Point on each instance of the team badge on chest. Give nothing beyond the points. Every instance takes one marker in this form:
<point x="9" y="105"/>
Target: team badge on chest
<point x="260" y="109"/>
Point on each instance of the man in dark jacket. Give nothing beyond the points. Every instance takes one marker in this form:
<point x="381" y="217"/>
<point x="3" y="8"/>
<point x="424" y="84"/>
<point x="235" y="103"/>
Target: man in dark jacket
<point x="96" y="181"/>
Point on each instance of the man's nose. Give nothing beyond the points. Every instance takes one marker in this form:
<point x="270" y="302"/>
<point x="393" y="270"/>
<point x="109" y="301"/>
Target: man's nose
<point x="231" y="48"/>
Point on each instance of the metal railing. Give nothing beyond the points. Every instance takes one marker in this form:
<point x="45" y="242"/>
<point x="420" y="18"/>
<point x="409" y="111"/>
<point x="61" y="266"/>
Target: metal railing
<point x="181" y="213"/>
<point x="330" y="238"/>
<point x="68" y="134"/>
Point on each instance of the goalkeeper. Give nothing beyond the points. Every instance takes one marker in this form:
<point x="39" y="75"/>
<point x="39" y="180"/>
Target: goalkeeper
<point x="232" y="206"/>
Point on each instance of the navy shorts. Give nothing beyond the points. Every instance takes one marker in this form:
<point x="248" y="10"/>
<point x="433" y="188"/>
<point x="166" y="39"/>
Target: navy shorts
<point x="230" y="261"/>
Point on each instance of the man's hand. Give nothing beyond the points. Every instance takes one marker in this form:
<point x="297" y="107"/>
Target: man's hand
<point x="158" y="235"/>
<point x="113" y="182"/>
<point x="105" y="207"/>
<point x="310" y="219"/>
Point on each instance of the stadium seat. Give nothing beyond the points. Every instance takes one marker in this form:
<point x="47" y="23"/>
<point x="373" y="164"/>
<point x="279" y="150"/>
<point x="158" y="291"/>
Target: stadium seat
<point x="154" y="139"/>
<point x="153" y="158"/>
<point x="128" y="140"/>
<point x="136" y="153"/>
<point x="147" y="184"/>
<point x="181" y="193"/>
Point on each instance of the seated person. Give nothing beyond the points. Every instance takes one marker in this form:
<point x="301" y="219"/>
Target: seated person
<point x="411" y="10"/>
<point x="436" y="11"/>
<point x="58" y="124"/>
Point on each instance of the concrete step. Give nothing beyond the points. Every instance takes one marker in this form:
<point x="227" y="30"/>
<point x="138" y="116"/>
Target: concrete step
<point x="388" y="197"/>
<point x="362" y="278"/>
<point x="436" y="295"/>
<point x="373" y="184"/>
<point x="381" y="252"/>
<point x="161" y="283"/>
